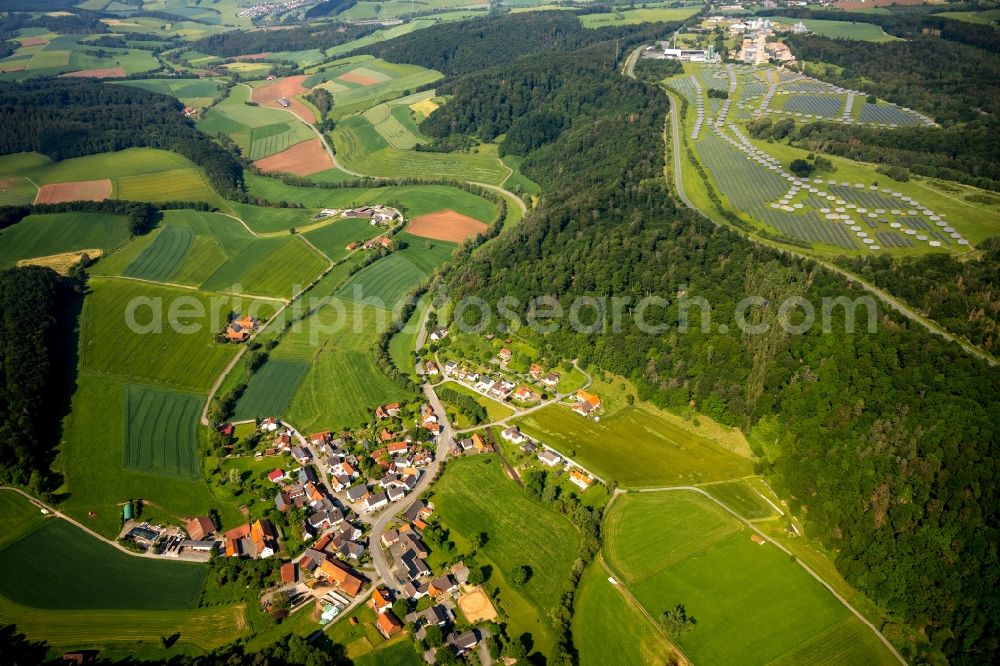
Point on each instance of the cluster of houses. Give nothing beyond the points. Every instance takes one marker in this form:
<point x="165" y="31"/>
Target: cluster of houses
<point x="378" y="214"/>
<point x="548" y="457"/>
<point x="256" y="540"/>
<point x="474" y="444"/>
<point x="377" y="242"/>
<point x="499" y="388"/>
<point x="408" y="555"/>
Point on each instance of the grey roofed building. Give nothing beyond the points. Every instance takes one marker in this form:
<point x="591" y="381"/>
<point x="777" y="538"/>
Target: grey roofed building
<point x="461" y="573"/>
<point x="464" y="641"/>
<point x="413" y="511"/>
<point x="529" y="447"/>
<point x="358" y="492"/>
<point x="351" y="550"/>
<point x="307" y="475"/>
<point x="436" y="614"/>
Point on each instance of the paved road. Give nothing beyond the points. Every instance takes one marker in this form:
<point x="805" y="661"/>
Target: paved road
<point x="886" y="298"/>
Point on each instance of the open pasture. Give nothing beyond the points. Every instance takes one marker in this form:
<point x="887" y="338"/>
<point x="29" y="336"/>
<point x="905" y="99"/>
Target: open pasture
<point x="96" y="73"/>
<point x="446" y="225"/>
<point x="271" y="389"/>
<point x="19" y="517"/>
<point x="275" y="267"/>
<point x="384" y="283"/>
<point x="267" y="221"/>
<point x="862" y="32"/>
<point x="361" y="148"/>
<point x="162" y="431"/>
<point x="302" y="159"/>
<point x="59" y="566"/>
<point x="82" y="190"/>
<point x="164" y="255"/>
<point x="176" y="185"/>
<point x="474" y="495"/>
<point x="96" y="480"/>
<point x="55" y="233"/>
<point x="16" y="191"/>
<point x="636" y="16"/>
<point x="608" y="628"/>
<point x="149" y="348"/>
<point x="394" y="121"/>
<point x="268" y="93"/>
<point x="197" y="93"/>
<point x="635" y="447"/>
<point x="678" y="547"/>
<point x="747" y="497"/>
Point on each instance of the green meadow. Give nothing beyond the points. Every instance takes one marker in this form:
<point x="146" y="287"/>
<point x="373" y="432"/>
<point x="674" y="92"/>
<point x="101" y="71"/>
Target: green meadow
<point x="635" y="447"/>
<point x="19" y="517"/>
<point x="608" y="628"/>
<point x="198" y="93"/>
<point x="270" y="389"/>
<point x="636" y="16"/>
<point x="864" y="32"/>
<point x="383" y="81"/>
<point x="474" y="495"/>
<point x="752" y="604"/>
<point x="44" y="235"/>
<point x="744" y="496"/>
<point x="162" y="431"/>
<point x="361" y="148"/>
<point x="125" y="332"/>
<point x="333" y="238"/>
<point x="60" y="566"/>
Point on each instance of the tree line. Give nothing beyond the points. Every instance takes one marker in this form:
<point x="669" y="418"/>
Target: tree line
<point x="299" y="38"/>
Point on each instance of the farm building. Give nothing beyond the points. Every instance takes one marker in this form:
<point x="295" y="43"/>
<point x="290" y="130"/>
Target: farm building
<point x="199" y="527"/>
<point x="240" y="330"/>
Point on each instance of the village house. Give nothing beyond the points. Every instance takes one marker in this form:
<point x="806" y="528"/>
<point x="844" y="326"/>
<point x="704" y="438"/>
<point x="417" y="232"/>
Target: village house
<point x="439" y="334"/>
<point x="343" y="577"/>
<point x="387" y="624"/>
<point x="450" y="367"/>
<point x="525" y="394"/>
<point x="443" y="585"/>
<point x="529" y="447"/>
<point x="376" y="501"/>
<point x="397" y="448"/>
<point x="240" y="330"/>
<point x="269" y="424"/>
<point x="357" y="493"/>
<point x="513" y="434"/>
<point x="535" y="371"/>
<point x="480" y="444"/>
<point x="551" y="379"/>
<point x="301" y="455"/>
<point x="276" y="476"/>
<point x="259" y="540"/>
<point x="380" y="600"/>
<point x="586" y="403"/>
<point x="504" y="355"/>
<point x="580" y="479"/>
<point x="463" y="642"/>
<point x="431" y="368"/>
<point x="549" y="458"/>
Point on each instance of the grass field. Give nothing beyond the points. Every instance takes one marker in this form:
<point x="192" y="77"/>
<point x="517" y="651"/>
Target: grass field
<point x="384" y="283"/>
<point x="109" y="346"/>
<point x="44" y="235"/>
<point x="234" y="117"/>
<point x="175" y="185"/>
<point x="162" y="431"/>
<point x="474" y="496"/>
<point x="16" y="191"/>
<point x="91" y="459"/>
<point x="865" y="32"/>
<point x="198" y="93"/>
<point x="494" y="410"/>
<point x="751" y="603"/>
<point x="635" y="447"/>
<point x="272" y="139"/>
<point x="272" y="220"/>
<point x="203" y="629"/>
<point x="745" y="497"/>
<point x="69" y="53"/>
<point x="271" y="389"/>
<point x="401" y="653"/>
<point x="395" y="120"/>
<point x="608" y="628"/>
<point x="402" y="345"/>
<point x="216" y="252"/>
<point x="636" y="16"/>
<point x="989" y="17"/>
<point x="60" y="566"/>
<point x="361" y="148"/>
<point x="19" y="517"/>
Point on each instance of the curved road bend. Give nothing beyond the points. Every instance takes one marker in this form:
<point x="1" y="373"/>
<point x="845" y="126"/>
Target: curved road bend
<point x="889" y="300"/>
<point x="784" y="550"/>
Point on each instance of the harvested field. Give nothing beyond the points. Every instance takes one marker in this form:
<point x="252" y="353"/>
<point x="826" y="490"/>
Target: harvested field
<point x="477" y="606"/>
<point x="360" y="79"/>
<point x="302" y="159"/>
<point x="33" y="41"/>
<point x="61" y="263"/>
<point x="14" y="68"/>
<point x="426" y="106"/>
<point x="446" y="225"/>
<point x="81" y="190"/>
<point x="288" y="87"/>
<point x="99" y="73"/>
